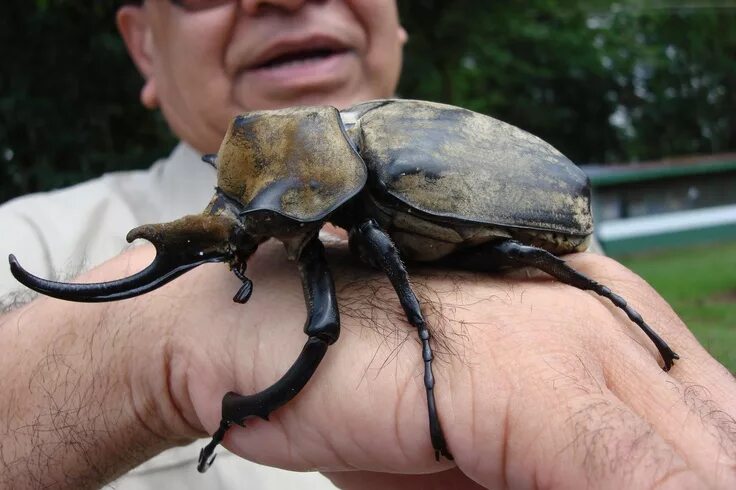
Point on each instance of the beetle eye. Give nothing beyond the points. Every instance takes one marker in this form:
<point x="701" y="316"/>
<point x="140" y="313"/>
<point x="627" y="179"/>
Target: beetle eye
<point x="210" y="158"/>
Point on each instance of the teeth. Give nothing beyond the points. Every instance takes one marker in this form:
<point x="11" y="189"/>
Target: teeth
<point x="296" y="59"/>
<point x="304" y="61"/>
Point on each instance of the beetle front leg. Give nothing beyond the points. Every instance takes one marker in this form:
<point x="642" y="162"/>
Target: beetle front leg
<point x="375" y="247"/>
<point x="246" y="289"/>
<point x="322" y="327"/>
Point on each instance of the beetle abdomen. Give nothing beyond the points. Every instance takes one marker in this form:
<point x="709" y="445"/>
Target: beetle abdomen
<point x="456" y="164"/>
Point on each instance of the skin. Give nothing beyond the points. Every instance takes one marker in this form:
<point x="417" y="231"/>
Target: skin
<point x="199" y="99"/>
<point x="538" y="384"/>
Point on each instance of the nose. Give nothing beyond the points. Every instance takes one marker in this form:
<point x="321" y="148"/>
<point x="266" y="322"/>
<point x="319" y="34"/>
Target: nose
<point x="256" y="7"/>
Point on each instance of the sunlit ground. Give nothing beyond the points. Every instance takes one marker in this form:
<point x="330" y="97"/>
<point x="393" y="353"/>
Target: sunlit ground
<point x="700" y="284"/>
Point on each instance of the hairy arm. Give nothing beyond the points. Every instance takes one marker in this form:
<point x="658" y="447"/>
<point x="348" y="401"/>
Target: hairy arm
<point x="537" y="383"/>
<point x="72" y="379"/>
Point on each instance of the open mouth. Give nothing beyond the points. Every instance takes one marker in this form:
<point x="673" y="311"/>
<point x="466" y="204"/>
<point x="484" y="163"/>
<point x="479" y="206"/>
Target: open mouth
<point x="299" y="57"/>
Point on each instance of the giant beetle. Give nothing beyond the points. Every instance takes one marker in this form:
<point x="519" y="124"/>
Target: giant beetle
<point x="412" y="181"/>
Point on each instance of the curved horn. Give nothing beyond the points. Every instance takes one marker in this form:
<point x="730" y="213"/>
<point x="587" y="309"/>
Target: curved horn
<point x="181" y="245"/>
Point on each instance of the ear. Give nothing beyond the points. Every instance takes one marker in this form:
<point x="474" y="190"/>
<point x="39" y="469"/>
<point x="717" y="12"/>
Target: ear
<point x="403" y="36"/>
<point x="133" y="26"/>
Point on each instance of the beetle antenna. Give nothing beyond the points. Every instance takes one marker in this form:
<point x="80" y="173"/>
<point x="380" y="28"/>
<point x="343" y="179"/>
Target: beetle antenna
<point x="210" y="158"/>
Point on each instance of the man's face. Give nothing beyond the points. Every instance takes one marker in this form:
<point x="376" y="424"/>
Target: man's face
<point x="205" y="66"/>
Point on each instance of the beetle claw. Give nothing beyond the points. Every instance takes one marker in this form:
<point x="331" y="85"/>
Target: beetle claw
<point x="204" y="464"/>
<point x="443" y="452"/>
<point x="206" y="456"/>
<point x="669" y="360"/>
<point x="243" y="294"/>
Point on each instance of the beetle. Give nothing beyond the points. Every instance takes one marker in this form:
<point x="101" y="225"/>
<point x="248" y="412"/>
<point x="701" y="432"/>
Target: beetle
<point x="412" y="181"/>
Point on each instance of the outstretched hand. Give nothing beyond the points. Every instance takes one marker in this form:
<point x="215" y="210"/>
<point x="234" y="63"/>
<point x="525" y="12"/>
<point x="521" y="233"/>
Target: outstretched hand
<point x="537" y="383"/>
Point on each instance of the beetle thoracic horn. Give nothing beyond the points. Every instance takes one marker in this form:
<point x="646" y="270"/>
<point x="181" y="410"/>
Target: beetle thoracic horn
<point x="180" y="246"/>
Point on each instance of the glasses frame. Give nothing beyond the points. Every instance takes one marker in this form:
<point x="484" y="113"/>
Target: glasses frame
<point x="198" y="5"/>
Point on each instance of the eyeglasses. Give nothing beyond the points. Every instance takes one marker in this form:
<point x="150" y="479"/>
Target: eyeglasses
<point x="195" y="5"/>
<point x="189" y="5"/>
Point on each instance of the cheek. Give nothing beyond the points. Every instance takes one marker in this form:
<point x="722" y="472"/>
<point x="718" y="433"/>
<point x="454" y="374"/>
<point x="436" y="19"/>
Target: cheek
<point x="191" y="63"/>
<point x="192" y="48"/>
<point x="380" y="23"/>
<point x="193" y="89"/>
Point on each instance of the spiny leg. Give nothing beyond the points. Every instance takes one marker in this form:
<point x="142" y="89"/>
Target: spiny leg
<point x="515" y="254"/>
<point x="246" y="289"/>
<point x="236" y="408"/>
<point x="322" y="327"/>
<point x="375" y="247"/>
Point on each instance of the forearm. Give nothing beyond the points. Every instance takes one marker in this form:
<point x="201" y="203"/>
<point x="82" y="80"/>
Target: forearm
<point x="72" y="410"/>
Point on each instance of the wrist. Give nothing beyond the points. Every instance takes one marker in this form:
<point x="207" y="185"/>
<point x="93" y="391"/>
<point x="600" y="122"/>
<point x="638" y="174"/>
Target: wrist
<point x="150" y="355"/>
<point x="78" y="385"/>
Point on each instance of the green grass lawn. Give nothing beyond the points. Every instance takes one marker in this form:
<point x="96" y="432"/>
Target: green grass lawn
<point x="700" y="284"/>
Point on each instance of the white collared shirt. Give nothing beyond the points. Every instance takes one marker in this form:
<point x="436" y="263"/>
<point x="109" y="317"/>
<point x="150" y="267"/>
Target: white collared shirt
<point x="62" y="233"/>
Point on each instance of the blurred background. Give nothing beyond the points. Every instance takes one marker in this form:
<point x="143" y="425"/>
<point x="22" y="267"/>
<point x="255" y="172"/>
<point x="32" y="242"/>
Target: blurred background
<point x="641" y="94"/>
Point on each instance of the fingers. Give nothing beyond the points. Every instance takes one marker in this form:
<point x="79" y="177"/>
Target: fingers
<point x="696" y="365"/>
<point x="535" y="386"/>
<point x="545" y="375"/>
<point x="563" y="428"/>
<point x="700" y="429"/>
<point x="693" y="406"/>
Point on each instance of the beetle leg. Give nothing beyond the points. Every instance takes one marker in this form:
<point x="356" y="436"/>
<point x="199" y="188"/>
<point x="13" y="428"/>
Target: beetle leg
<point x="322" y="327"/>
<point x="515" y="254"/>
<point x="243" y="294"/>
<point x="375" y="247"/>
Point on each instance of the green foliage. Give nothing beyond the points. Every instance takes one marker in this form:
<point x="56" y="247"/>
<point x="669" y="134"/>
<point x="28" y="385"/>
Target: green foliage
<point x="681" y="85"/>
<point x="68" y="97"/>
<point x="602" y="81"/>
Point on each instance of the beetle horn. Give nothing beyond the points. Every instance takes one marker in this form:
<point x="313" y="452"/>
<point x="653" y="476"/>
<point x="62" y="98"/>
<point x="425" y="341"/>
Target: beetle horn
<point x="181" y="245"/>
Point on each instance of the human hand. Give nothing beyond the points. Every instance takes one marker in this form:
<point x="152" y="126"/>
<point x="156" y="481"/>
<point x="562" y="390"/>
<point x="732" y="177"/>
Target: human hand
<point x="538" y="384"/>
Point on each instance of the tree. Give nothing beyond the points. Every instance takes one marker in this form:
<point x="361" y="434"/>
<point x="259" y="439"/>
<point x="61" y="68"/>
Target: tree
<point x="602" y="81"/>
<point x="68" y="97"/>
